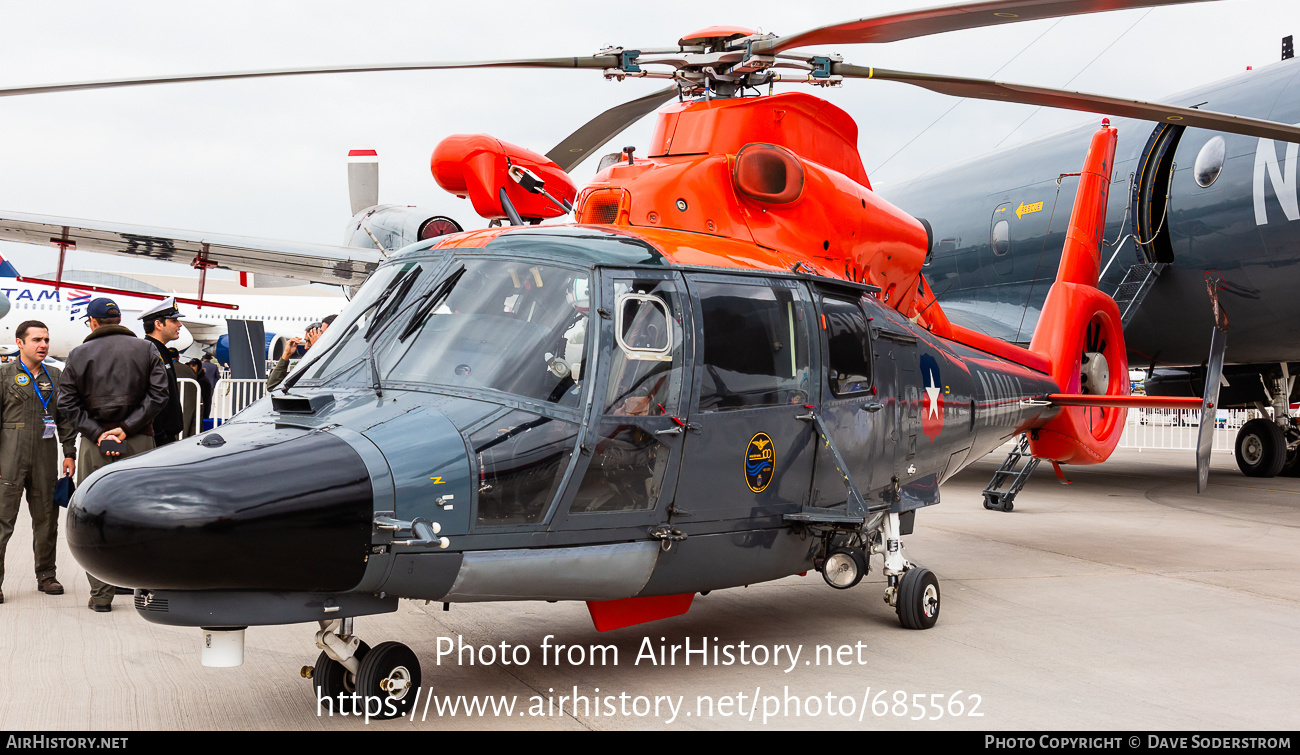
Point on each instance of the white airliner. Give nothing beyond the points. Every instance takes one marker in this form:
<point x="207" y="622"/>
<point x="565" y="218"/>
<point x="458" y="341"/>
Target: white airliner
<point x="63" y="312"/>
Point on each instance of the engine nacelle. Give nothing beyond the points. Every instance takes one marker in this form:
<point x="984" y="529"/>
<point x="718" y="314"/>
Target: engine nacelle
<point x="393" y="227"/>
<point x="275" y="343"/>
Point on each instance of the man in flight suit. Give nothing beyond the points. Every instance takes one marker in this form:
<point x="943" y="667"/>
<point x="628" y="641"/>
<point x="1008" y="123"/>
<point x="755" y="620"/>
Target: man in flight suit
<point x="30" y="452"/>
<point x="162" y="325"/>
<point x="113" y="385"/>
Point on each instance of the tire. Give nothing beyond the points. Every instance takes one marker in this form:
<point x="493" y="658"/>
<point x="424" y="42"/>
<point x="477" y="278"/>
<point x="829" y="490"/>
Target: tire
<point x="1261" y="448"/>
<point x="1292" y="466"/>
<point x="918" y="599"/>
<point x="388" y="661"/>
<point x="331" y="678"/>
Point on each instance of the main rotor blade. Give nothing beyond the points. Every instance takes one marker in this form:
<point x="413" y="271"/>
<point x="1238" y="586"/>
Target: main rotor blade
<point x="596" y="132"/>
<point x="982" y="89"/>
<point x="926" y="21"/>
<point x="595" y="61"/>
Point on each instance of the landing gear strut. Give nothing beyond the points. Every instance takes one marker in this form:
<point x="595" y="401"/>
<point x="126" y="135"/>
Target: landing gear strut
<point x="913" y="590"/>
<point x="385" y="678"/>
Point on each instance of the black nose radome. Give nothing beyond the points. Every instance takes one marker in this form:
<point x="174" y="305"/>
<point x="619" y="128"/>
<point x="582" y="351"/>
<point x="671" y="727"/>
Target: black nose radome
<point x="270" y="509"/>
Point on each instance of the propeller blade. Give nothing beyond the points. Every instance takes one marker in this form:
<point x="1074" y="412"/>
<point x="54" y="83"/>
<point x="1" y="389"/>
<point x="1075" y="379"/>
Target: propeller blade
<point x="595" y="61"/>
<point x="926" y="21"/>
<point x="1209" y="407"/>
<point x="982" y="89"/>
<point x="596" y="132"/>
<point x="363" y="179"/>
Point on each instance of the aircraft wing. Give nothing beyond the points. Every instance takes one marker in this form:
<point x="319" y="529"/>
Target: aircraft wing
<point x="318" y="263"/>
<point x="203" y="330"/>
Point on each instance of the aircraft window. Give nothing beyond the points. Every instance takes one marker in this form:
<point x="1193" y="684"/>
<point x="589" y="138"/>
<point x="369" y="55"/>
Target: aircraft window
<point x="626" y="473"/>
<point x="1001" y="237"/>
<point x="513" y="327"/>
<point x="1209" y="162"/>
<point x="645" y="375"/>
<point x="755" y="346"/>
<point x="848" y="348"/>
<point x="521" y="459"/>
<point x="642" y="328"/>
<point x="359" y="313"/>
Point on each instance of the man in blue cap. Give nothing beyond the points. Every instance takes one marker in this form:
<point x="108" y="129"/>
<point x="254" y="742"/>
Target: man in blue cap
<point x="113" y="386"/>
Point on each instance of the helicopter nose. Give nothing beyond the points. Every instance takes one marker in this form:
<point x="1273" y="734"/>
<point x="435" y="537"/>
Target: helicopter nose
<point x="250" y="506"/>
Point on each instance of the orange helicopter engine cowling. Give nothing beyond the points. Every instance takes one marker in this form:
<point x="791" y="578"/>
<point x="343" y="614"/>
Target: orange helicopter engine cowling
<point x="477" y="166"/>
<point x="782" y="172"/>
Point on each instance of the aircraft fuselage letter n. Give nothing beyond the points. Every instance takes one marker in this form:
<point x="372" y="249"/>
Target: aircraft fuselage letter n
<point x="1282" y="177"/>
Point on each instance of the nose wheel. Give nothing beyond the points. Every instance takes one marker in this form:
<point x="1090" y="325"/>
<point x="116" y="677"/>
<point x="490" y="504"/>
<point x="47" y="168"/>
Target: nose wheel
<point x="918" y="599"/>
<point x="381" y="682"/>
<point x="390" y="674"/>
<point x="332" y="679"/>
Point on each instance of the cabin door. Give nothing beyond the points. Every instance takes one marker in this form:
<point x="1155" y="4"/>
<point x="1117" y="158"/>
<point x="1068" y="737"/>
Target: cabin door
<point x="747" y="455"/>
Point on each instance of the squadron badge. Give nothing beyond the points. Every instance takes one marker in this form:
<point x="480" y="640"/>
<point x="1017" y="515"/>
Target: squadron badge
<point x="760" y="462"/>
<point x="21" y="379"/>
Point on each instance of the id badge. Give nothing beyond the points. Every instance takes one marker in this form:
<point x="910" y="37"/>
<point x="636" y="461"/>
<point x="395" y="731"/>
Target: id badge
<point x="50" y="427"/>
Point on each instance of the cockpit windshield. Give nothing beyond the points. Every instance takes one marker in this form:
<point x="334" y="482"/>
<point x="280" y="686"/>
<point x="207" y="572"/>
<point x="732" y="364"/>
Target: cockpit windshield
<point x="514" y="326"/>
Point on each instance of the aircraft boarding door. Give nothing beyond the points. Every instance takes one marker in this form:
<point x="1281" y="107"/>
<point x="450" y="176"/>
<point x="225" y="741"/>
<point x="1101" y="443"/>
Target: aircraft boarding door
<point x="747" y="454"/>
<point x="634" y="440"/>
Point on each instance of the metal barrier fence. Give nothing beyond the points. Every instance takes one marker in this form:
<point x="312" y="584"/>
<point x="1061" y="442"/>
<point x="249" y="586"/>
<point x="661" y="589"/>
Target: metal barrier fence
<point x="191" y="396"/>
<point x="230" y="397"/>
<point x="1178" y="428"/>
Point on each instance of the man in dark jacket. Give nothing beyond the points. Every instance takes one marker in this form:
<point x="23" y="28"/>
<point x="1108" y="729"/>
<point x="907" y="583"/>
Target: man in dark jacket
<point x="113" y="386"/>
<point x="162" y="325"/>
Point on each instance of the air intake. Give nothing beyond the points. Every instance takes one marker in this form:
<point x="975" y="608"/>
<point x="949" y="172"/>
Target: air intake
<point x="602" y="207"/>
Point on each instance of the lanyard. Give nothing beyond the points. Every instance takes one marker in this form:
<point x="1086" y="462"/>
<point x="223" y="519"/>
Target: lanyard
<point x="45" y="402"/>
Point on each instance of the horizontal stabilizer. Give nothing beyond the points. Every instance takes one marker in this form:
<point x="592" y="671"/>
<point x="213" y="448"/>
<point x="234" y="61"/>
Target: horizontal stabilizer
<point x="1125" y="402"/>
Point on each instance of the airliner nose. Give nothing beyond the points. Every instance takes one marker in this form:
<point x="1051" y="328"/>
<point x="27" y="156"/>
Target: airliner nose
<point x="251" y="506"/>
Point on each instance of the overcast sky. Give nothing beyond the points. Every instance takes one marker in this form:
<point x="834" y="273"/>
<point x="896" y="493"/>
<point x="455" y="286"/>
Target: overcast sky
<point x="268" y="158"/>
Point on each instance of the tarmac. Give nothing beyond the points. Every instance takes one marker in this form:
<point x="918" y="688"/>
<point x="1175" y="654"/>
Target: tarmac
<point x="1121" y="601"/>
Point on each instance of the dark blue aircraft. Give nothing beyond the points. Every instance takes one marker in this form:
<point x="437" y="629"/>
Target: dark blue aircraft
<point x="1188" y="207"/>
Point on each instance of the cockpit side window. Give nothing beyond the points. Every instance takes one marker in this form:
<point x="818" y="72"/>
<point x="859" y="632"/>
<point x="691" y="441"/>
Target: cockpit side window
<point x="645" y="375"/>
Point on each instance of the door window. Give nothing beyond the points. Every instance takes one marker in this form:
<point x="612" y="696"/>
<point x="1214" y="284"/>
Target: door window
<point x="755" y="346"/>
<point x="848" y="348"/>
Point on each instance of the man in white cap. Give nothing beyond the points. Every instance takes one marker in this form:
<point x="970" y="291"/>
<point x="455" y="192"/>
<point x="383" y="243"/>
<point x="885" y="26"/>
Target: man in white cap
<point x="162" y="325"/>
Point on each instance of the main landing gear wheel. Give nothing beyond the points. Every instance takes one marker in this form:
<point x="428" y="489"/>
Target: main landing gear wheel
<point x="391" y="673"/>
<point x="918" y="599"/>
<point x="331" y="678"/>
<point x="1261" y="448"/>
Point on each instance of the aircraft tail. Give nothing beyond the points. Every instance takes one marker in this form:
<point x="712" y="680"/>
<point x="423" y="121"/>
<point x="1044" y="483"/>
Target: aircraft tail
<point x="7" y="269"/>
<point x="1079" y="332"/>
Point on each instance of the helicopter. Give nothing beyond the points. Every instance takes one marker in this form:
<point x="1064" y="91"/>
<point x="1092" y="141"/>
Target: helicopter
<point x="729" y="369"/>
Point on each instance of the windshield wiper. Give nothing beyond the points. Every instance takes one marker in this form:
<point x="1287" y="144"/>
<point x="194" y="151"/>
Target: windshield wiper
<point x="293" y="379"/>
<point x="430" y="302"/>
<point x="393" y="299"/>
<point x="435" y="295"/>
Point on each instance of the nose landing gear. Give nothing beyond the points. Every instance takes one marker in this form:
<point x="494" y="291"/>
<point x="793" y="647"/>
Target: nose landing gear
<point x="381" y="683"/>
<point x="912" y="590"/>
